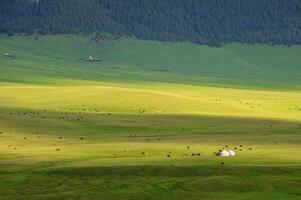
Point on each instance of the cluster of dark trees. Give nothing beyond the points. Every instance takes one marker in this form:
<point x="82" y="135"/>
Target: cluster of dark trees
<point x="202" y="21"/>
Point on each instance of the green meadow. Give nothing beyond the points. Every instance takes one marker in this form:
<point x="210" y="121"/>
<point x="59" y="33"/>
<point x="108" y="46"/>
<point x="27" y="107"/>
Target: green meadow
<point x="144" y="120"/>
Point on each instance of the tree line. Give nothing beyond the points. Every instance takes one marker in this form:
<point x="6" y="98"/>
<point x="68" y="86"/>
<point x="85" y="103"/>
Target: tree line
<point x="211" y="22"/>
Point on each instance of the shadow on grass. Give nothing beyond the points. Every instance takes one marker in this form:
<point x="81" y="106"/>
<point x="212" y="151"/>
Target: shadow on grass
<point x="155" y="182"/>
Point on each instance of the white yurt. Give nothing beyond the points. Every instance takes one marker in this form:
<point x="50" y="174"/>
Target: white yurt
<point x="231" y="153"/>
<point x="224" y="153"/>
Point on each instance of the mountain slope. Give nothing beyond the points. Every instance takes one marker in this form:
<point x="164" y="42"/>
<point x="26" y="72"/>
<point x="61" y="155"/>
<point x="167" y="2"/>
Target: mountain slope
<point x="211" y="22"/>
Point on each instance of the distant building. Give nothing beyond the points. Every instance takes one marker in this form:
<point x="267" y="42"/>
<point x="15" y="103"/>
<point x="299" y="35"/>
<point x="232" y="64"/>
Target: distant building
<point x="92" y="59"/>
<point x="9" y="55"/>
<point x="231" y="153"/>
<point x="224" y="153"/>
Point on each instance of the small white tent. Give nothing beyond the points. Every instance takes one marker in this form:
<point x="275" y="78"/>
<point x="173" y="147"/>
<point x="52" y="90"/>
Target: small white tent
<point x="224" y="153"/>
<point x="231" y="153"/>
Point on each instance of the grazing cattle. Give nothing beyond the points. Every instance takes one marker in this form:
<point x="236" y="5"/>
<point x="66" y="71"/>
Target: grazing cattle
<point x="241" y="145"/>
<point x="168" y="156"/>
<point x="188" y="147"/>
<point x="24" y="138"/>
<point x="81" y="138"/>
<point x="61" y="137"/>
<point x="57" y="149"/>
<point x="226" y="146"/>
<point x="250" y="148"/>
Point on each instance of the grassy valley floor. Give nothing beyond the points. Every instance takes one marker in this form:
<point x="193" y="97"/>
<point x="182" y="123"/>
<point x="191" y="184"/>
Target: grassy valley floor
<point x="144" y="121"/>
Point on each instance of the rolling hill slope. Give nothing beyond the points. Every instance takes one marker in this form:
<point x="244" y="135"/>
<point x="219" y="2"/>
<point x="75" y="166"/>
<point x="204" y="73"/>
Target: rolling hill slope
<point x="60" y="57"/>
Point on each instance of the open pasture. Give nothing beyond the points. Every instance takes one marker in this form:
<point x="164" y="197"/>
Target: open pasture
<point x="130" y="157"/>
<point x="101" y="155"/>
<point x="145" y="121"/>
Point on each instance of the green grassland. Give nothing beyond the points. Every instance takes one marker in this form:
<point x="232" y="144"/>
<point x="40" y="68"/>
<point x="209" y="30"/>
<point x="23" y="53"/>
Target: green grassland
<point x="73" y="129"/>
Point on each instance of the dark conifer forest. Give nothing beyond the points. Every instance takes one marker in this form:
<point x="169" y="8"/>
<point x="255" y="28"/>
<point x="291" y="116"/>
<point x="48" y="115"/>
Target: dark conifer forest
<point x="211" y="22"/>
